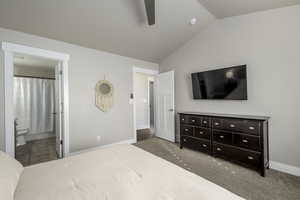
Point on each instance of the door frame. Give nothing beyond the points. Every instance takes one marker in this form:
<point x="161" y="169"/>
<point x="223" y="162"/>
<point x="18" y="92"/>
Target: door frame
<point x="8" y="50"/>
<point x="144" y="71"/>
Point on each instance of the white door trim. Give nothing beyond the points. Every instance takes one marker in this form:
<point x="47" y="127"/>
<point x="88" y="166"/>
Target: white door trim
<point x="144" y="71"/>
<point x="9" y="49"/>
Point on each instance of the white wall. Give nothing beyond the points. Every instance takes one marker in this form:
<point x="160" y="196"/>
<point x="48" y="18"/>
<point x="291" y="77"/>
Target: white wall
<point x="86" y="67"/>
<point x="269" y="43"/>
<point x="142" y="100"/>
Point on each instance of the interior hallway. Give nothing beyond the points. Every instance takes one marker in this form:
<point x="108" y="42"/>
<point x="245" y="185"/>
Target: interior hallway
<point x="144" y="134"/>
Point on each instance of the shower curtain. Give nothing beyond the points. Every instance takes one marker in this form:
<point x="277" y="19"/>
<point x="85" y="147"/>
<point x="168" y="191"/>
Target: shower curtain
<point x="34" y="104"/>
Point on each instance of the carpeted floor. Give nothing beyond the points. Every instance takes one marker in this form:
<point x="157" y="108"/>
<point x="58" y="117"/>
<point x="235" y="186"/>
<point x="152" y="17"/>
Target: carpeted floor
<point x="144" y="134"/>
<point x="239" y="180"/>
<point x="37" y="151"/>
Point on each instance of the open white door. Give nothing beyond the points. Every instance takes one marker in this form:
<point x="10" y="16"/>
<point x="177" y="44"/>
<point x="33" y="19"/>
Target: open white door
<point x="58" y="110"/>
<point x="165" y="107"/>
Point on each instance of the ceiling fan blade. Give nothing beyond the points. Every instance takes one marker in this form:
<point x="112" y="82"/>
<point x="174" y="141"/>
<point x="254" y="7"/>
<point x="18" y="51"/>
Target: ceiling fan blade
<point x="150" y="10"/>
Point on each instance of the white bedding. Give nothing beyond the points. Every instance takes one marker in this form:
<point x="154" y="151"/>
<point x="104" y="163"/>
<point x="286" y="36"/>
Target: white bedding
<point x="121" y="172"/>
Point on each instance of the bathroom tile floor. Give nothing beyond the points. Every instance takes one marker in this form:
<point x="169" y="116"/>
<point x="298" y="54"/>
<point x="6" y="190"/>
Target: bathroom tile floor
<point x="37" y="151"/>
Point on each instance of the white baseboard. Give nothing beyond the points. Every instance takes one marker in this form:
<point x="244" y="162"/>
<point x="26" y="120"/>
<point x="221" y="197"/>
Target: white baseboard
<point x="285" y="168"/>
<point x="132" y="141"/>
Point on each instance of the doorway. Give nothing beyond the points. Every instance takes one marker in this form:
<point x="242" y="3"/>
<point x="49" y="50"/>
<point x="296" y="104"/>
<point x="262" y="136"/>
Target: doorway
<point x="36" y="103"/>
<point x="144" y="103"/>
<point x="34" y="109"/>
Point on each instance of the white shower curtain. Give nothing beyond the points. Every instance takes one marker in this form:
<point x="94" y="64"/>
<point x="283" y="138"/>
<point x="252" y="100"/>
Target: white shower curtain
<point x="34" y="104"/>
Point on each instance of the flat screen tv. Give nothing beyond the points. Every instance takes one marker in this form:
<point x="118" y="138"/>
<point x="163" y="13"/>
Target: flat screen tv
<point x="228" y="83"/>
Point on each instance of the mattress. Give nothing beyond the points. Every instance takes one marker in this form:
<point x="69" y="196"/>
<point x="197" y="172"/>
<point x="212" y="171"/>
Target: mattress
<point x="120" y="172"/>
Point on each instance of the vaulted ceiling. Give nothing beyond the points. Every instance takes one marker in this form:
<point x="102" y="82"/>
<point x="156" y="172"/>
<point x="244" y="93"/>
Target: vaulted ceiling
<point x="120" y="26"/>
<point x="117" y="26"/>
<point x="228" y="8"/>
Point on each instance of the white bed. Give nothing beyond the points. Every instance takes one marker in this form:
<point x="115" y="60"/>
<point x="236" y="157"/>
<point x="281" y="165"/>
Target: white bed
<point x="121" y="172"/>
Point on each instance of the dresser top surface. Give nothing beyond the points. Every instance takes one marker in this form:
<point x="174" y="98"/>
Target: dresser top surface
<point x="254" y="117"/>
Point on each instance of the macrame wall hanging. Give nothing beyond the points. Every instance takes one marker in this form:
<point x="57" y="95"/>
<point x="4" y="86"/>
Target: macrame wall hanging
<point x="104" y="95"/>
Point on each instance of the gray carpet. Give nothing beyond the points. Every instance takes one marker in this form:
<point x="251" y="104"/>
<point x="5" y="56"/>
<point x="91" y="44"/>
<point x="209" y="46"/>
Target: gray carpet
<point x="239" y="180"/>
<point x="144" y="134"/>
<point x="37" y="151"/>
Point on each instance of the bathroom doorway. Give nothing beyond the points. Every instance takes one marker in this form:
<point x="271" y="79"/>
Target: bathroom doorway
<point x="35" y="109"/>
<point x="36" y="101"/>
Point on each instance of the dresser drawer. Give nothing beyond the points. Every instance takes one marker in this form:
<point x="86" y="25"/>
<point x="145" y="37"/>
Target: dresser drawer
<point x="233" y="125"/>
<point x="183" y="119"/>
<point x="251" y="127"/>
<point x="245" y="141"/>
<point x="206" y="122"/>
<point x="187" y="130"/>
<point x="202" y="133"/>
<point x="194" y="120"/>
<point x="217" y="123"/>
<point x="246" y="157"/>
<point x="195" y="144"/>
<point x="222" y="137"/>
<point x="222" y="151"/>
<point x="247" y="126"/>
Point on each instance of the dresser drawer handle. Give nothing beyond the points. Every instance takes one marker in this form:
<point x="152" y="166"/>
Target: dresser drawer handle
<point x="186" y="130"/>
<point x="204" y="145"/>
<point x="184" y="140"/>
<point x="204" y="122"/>
<point x="251" y="128"/>
<point x="232" y="125"/>
<point x="217" y="124"/>
<point x="193" y="120"/>
<point x="245" y="141"/>
<point x="219" y="149"/>
<point x="222" y="136"/>
<point x="201" y="133"/>
<point x="182" y="119"/>
<point x="250" y="158"/>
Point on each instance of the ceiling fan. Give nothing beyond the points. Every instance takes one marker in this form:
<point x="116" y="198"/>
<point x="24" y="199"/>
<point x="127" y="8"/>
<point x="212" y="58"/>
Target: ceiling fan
<point x="150" y="10"/>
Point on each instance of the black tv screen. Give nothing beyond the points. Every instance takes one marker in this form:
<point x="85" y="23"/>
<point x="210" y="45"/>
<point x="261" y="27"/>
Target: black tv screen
<point x="228" y="83"/>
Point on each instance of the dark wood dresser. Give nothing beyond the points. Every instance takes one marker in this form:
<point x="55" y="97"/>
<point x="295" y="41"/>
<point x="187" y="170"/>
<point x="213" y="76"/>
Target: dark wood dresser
<point x="241" y="139"/>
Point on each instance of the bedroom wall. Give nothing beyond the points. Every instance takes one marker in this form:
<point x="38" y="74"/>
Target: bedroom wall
<point x="269" y="43"/>
<point x="86" y="67"/>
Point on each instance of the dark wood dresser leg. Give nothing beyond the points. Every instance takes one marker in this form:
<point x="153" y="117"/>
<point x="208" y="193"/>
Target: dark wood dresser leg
<point x="263" y="172"/>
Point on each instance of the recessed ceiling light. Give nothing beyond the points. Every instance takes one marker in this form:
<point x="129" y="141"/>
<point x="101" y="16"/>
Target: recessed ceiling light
<point x="193" y="21"/>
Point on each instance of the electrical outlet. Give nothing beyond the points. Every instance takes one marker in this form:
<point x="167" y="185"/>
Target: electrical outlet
<point x="98" y="138"/>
